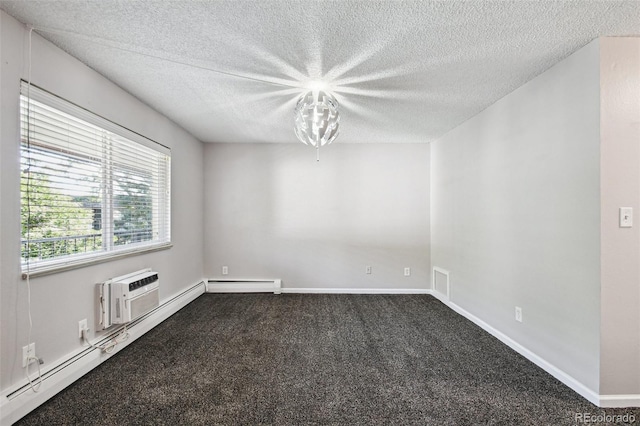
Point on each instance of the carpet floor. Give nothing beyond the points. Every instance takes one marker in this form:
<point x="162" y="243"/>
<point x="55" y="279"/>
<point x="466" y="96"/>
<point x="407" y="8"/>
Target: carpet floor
<point x="245" y="359"/>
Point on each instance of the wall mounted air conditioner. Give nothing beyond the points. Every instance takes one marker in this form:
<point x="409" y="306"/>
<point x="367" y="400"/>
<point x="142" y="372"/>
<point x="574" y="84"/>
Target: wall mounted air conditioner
<point x="125" y="298"/>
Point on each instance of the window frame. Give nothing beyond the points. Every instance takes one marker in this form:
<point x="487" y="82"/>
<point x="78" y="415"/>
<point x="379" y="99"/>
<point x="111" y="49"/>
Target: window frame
<point x="110" y="251"/>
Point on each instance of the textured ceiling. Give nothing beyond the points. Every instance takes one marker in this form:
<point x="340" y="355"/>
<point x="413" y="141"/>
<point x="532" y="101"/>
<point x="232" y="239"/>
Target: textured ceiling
<point x="402" y="71"/>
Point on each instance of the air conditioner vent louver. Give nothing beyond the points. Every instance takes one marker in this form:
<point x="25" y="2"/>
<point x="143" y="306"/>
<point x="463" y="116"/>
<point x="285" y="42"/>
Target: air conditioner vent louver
<point x="143" y="281"/>
<point x="126" y="298"/>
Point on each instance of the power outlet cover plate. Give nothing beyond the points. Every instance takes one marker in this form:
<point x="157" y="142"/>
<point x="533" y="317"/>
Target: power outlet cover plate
<point x="28" y="351"/>
<point x="518" y="314"/>
<point x="82" y="325"/>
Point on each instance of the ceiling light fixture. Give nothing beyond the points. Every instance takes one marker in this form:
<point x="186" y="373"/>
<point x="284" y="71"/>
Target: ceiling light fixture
<point x="317" y="85"/>
<point x="316" y="119"/>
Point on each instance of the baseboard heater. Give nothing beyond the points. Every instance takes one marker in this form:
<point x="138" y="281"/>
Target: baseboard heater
<point x="244" y="286"/>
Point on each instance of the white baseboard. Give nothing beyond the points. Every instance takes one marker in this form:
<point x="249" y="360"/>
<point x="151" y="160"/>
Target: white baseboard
<point x="603" y="401"/>
<point x="578" y="387"/>
<point x="228" y="285"/>
<point x="221" y="285"/>
<point x="619" y="401"/>
<point x="333" y="290"/>
<point x="19" y="400"/>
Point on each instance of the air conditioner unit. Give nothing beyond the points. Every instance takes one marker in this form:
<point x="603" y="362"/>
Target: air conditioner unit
<point x="125" y="298"/>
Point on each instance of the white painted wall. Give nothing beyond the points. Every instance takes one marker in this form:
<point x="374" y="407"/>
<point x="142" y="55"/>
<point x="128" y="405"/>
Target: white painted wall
<point x="272" y="211"/>
<point x="59" y="301"/>
<point x="620" y="181"/>
<point x="515" y="215"/>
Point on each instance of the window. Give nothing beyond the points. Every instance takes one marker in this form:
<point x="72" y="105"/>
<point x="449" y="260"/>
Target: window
<point x="90" y="189"/>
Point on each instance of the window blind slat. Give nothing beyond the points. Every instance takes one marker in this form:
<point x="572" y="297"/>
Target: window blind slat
<point x="87" y="190"/>
<point x="78" y="113"/>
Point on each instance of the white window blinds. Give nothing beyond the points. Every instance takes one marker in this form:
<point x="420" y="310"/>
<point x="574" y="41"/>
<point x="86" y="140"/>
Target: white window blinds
<point x="89" y="188"/>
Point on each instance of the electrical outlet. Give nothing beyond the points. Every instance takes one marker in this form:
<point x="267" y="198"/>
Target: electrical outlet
<point x="28" y="354"/>
<point x="518" y="314"/>
<point x="368" y="270"/>
<point x="82" y="325"/>
<point x="407" y="272"/>
<point x="225" y="270"/>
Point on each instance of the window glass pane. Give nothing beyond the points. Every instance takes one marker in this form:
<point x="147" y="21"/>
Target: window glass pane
<point x="133" y="206"/>
<point x="61" y="204"/>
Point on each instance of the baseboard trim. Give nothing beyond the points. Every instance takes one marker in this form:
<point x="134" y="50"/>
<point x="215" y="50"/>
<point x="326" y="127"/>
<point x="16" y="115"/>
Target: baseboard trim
<point x="333" y="290"/>
<point x="19" y="400"/>
<point x="619" y="401"/>
<point x="228" y="285"/>
<point x="565" y="378"/>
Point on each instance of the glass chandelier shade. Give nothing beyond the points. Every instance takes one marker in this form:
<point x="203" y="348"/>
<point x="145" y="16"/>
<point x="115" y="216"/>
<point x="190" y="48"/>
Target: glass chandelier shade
<point x="316" y="118"/>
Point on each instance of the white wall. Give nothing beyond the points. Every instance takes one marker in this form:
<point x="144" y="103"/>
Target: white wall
<point x="272" y="211"/>
<point x="60" y="300"/>
<point x="515" y="215"/>
<point x="620" y="181"/>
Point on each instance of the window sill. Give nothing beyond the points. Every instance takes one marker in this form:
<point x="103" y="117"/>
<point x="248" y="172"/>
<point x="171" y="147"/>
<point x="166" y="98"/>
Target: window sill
<point x="37" y="271"/>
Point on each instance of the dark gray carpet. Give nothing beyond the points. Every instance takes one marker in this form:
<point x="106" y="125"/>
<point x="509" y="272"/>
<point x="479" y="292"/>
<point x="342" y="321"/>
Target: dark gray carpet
<point x="316" y="359"/>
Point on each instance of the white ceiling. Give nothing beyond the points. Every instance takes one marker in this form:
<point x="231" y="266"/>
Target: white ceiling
<point x="402" y="71"/>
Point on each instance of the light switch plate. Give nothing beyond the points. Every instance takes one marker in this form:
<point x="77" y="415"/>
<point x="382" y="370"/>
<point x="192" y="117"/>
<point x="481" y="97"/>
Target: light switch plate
<point x="626" y="217"/>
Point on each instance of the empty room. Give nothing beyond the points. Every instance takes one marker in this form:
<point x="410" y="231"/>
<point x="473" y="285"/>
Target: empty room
<point x="319" y="212"/>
